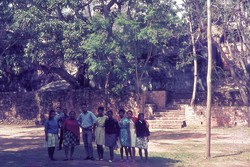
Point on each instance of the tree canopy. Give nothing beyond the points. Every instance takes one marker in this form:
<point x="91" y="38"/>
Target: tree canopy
<point x="117" y="46"/>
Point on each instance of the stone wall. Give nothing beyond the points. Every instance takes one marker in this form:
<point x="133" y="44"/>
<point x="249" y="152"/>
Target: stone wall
<point x="220" y="116"/>
<point x="34" y="106"/>
<point x="159" y="98"/>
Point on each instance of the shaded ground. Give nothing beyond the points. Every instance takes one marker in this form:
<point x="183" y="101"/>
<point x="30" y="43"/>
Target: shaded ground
<point x="22" y="146"/>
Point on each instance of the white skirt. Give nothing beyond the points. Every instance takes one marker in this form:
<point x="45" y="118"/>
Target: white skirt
<point x="52" y="140"/>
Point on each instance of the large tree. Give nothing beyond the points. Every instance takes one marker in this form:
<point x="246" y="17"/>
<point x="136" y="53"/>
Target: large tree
<point x="119" y="46"/>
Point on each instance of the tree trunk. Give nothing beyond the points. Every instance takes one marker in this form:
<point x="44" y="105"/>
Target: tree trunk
<point x="195" y="63"/>
<point x="62" y="73"/>
<point x="209" y="85"/>
<point x="106" y="87"/>
<point x="243" y="87"/>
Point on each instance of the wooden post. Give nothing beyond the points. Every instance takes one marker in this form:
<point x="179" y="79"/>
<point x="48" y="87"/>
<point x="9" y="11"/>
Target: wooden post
<point x="209" y="74"/>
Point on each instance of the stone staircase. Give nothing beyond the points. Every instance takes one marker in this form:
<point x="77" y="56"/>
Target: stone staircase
<point x="171" y="116"/>
<point x="167" y="119"/>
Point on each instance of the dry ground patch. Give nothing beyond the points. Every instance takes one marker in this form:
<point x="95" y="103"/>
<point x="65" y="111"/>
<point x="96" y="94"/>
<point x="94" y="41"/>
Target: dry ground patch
<point x="22" y="146"/>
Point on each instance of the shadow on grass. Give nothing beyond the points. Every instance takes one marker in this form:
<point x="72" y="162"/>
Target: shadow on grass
<point x="21" y="152"/>
<point x="228" y="155"/>
<point x="158" y="135"/>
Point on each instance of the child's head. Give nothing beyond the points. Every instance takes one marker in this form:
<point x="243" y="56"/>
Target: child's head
<point x="121" y="113"/>
<point x="52" y="114"/>
<point x="129" y="114"/>
<point x="72" y="114"/>
<point x="141" y="116"/>
<point x="100" y="110"/>
<point x="110" y="113"/>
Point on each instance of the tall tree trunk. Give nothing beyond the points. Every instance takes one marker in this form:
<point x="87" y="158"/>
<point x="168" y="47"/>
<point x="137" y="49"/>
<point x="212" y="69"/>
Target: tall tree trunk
<point x="242" y="87"/>
<point x="209" y="84"/>
<point x="195" y="63"/>
<point x="107" y="100"/>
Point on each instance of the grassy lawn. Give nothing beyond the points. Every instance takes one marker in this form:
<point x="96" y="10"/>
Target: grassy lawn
<point x="230" y="147"/>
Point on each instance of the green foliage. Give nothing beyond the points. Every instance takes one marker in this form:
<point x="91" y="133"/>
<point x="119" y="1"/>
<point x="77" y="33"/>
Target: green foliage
<point x="120" y="47"/>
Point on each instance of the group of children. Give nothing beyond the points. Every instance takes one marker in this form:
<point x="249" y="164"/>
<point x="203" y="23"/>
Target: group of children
<point x="124" y="131"/>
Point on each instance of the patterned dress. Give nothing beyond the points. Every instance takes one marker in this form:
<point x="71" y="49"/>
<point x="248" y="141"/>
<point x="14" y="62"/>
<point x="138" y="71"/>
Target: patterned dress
<point x="71" y="134"/>
<point x="70" y="139"/>
<point x="100" y="130"/>
<point x="124" y="136"/>
<point x="142" y="133"/>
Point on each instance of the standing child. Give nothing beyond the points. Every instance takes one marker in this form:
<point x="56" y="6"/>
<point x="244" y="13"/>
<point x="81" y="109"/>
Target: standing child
<point x="61" y="118"/>
<point x="124" y="135"/>
<point x="100" y="132"/>
<point x="71" y="132"/>
<point x="132" y="121"/>
<point x="51" y="134"/>
<point x="111" y="133"/>
<point x="142" y="134"/>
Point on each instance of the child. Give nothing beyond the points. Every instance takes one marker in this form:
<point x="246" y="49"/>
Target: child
<point x="51" y="133"/>
<point x="142" y="133"/>
<point x="132" y="132"/>
<point x="124" y="135"/>
<point x="100" y="132"/>
<point x="71" y="133"/>
<point x="111" y="133"/>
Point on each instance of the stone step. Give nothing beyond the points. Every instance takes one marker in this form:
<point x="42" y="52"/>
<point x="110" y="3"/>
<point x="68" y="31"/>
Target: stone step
<point x="166" y="123"/>
<point x="175" y="113"/>
<point x="170" y="122"/>
<point x="169" y="118"/>
<point x="165" y="126"/>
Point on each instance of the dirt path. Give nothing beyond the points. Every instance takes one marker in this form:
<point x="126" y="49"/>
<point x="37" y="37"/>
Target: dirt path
<point x="22" y="146"/>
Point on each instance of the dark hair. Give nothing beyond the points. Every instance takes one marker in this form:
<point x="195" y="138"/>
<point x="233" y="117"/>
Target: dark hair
<point x="110" y="111"/>
<point x="83" y="104"/>
<point x="122" y="110"/>
<point x="72" y="112"/>
<point x="50" y="112"/>
<point x="140" y="114"/>
<point x="101" y="108"/>
<point x="129" y="111"/>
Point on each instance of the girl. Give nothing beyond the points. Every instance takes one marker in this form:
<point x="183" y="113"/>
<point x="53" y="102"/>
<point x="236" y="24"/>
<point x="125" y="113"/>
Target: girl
<point x="71" y="136"/>
<point x="124" y="135"/>
<point x="142" y="133"/>
<point x="132" y="135"/>
<point x="51" y="134"/>
<point x="111" y="133"/>
<point x="100" y="132"/>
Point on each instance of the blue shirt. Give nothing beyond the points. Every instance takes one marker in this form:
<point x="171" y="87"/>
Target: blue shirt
<point x="51" y="126"/>
<point x="86" y="120"/>
<point x="59" y="115"/>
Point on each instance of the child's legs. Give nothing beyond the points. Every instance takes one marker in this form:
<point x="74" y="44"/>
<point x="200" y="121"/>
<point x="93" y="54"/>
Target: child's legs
<point x="140" y="152"/>
<point x="126" y="152"/>
<point x="133" y="152"/>
<point x="129" y="152"/>
<point x="100" y="151"/>
<point x="66" y="149"/>
<point x="72" y="151"/>
<point x="111" y="153"/>
<point x="121" y="152"/>
<point x="146" y="154"/>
